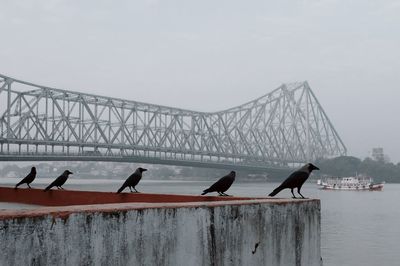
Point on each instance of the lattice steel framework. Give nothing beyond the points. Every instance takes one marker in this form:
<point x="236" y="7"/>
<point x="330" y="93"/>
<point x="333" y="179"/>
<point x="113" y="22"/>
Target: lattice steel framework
<point x="285" y="126"/>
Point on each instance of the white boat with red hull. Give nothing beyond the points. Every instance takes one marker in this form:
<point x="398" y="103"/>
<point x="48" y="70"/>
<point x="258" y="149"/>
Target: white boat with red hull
<point x="349" y="183"/>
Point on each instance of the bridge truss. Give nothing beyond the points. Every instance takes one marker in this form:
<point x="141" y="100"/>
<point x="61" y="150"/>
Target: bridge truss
<point x="286" y="126"/>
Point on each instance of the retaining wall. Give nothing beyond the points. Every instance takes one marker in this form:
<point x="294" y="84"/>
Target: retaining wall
<point x="233" y="232"/>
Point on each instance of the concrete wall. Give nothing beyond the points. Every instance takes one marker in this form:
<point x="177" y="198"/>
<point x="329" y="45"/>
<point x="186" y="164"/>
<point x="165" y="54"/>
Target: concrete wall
<point x="286" y="232"/>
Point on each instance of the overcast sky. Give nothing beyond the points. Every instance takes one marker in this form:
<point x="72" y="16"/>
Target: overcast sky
<point x="210" y="55"/>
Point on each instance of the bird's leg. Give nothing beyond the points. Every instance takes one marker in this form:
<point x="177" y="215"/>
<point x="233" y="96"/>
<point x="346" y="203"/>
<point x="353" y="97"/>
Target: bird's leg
<point x="28" y="185"/>
<point x="298" y="191"/>
<point x="130" y="188"/>
<point x="58" y="187"/>
<point x="61" y="187"/>
<point x="136" y="190"/>
<point x="293" y="193"/>
<point x="220" y="193"/>
<point x="223" y="193"/>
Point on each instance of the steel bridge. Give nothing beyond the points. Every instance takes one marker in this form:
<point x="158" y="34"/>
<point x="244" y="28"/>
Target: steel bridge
<point x="284" y="127"/>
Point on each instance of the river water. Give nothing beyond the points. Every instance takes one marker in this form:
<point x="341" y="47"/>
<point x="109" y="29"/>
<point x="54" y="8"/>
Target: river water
<point x="358" y="228"/>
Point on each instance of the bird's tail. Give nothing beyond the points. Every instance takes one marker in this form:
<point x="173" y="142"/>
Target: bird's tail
<point x="205" y="192"/>
<point x="276" y="191"/>
<point x="16" y="186"/>
<point x="48" y="187"/>
<point x="120" y="189"/>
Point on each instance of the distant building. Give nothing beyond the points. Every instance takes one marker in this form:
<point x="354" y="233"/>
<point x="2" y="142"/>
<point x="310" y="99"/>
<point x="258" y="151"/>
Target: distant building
<point x="378" y="155"/>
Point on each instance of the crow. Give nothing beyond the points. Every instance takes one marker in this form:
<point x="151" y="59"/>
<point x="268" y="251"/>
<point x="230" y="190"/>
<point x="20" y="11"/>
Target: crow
<point x="132" y="180"/>
<point x="28" y="179"/>
<point x="296" y="180"/>
<point x="59" y="180"/>
<point x="222" y="185"/>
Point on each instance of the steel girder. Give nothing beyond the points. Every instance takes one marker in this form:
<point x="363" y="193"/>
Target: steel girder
<point x="287" y="125"/>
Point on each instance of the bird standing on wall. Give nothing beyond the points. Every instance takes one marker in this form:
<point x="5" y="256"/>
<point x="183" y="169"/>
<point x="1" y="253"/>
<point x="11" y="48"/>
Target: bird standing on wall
<point x="222" y="185"/>
<point x="296" y="180"/>
<point x="29" y="178"/>
<point x="59" y="180"/>
<point x="132" y="180"/>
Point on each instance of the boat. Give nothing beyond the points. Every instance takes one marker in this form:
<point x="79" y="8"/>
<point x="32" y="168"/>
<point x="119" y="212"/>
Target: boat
<point x="349" y="183"/>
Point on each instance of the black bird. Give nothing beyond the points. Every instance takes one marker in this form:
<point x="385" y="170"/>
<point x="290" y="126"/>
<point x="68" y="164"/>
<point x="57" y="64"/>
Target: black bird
<point x="296" y="180"/>
<point x="132" y="180"/>
<point x="59" y="180"/>
<point x="29" y="178"/>
<point x="222" y="185"/>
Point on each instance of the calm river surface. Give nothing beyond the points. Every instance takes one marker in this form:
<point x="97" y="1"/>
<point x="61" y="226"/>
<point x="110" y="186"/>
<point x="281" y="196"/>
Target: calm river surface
<point x="358" y="228"/>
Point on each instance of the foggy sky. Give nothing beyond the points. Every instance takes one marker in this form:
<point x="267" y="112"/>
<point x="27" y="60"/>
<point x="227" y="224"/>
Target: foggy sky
<point x="211" y="55"/>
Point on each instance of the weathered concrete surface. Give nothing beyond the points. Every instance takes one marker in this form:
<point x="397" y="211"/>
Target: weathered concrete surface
<point x="208" y="233"/>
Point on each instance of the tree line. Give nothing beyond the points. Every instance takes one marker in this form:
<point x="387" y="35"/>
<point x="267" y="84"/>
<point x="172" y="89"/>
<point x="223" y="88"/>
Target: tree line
<point x="350" y="166"/>
<point x="335" y="167"/>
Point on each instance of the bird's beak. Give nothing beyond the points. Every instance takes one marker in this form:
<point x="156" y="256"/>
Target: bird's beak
<point x="144" y="169"/>
<point x="316" y="168"/>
